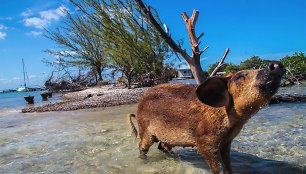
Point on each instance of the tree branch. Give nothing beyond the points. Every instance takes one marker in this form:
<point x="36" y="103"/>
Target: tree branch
<point x="185" y="17"/>
<point x="194" y="17"/>
<point x="204" y="50"/>
<point x="163" y="34"/>
<point x="190" y="25"/>
<point x="202" y="34"/>
<point x="166" y="29"/>
<point x="220" y="63"/>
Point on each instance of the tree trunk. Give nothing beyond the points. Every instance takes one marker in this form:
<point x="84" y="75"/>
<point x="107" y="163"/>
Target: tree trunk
<point x="96" y="78"/>
<point x="99" y="72"/>
<point x="197" y="73"/>
<point x="129" y="79"/>
<point x="100" y="75"/>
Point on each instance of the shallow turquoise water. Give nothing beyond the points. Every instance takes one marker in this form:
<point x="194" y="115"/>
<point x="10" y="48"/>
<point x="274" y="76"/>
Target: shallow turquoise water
<point x="99" y="141"/>
<point x="15" y="100"/>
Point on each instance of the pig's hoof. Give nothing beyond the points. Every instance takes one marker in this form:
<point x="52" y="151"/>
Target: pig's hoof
<point x="144" y="158"/>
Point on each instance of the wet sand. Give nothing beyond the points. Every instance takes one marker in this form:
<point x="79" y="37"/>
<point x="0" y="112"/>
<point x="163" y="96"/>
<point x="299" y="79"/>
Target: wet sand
<point x="99" y="141"/>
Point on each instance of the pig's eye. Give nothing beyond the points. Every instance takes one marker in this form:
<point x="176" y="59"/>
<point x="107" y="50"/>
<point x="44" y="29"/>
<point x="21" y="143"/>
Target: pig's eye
<point x="240" y="76"/>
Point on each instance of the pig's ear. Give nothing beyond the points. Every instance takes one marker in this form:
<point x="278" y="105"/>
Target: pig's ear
<point x="214" y="92"/>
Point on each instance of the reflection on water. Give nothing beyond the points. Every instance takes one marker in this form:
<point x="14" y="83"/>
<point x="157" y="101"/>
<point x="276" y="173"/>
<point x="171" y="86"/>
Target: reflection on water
<point x="99" y="141"/>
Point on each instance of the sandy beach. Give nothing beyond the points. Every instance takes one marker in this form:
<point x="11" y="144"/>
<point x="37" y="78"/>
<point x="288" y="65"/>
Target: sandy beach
<point x="95" y="97"/>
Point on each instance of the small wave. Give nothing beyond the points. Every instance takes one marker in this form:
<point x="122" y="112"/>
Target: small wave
<point x="5" y="111"/>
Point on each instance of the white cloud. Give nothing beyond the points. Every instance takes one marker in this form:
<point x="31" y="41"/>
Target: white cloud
<point x="55" y="14"/>
<point x="46" y="18"/>
<point x="36" y="22"/>
<point x="28" y="12"/>
<point x="35" y="33"/>
<point x="2" y="35"/>
<point x="3" y="27"/>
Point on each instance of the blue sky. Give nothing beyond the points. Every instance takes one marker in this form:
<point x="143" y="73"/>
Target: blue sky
<point x="270" y="29"/>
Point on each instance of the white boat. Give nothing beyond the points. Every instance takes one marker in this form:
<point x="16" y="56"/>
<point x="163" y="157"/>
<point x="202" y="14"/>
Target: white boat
<point x="24" y="88"/>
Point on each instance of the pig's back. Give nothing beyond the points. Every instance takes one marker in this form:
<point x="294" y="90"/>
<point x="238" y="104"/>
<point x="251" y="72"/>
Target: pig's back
<point x="170" y="113"/>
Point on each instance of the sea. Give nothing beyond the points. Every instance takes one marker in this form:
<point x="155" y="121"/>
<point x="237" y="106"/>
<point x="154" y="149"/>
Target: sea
<point x="99" y="141"/>
<point x="14" y="101"/>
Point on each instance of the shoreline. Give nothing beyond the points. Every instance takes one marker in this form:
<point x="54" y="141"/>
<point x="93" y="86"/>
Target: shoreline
<point x="96" y="97"/>
<point x="109" y="95"/>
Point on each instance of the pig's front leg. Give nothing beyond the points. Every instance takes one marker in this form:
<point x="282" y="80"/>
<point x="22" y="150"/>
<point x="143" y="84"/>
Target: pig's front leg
<point x="209" y="148"/>
<point x="226" y="157"/>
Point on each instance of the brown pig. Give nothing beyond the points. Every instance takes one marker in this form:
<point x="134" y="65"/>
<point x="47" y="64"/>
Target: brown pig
<point x="208" y="117"/>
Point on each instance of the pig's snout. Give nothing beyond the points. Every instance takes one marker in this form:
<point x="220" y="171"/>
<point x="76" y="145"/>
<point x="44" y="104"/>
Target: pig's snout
<point x="276" y="68"/>
<point x="268" y="79"/>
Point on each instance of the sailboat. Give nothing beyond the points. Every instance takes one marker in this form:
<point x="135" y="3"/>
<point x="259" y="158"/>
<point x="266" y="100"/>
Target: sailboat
<point x="23" y="88"/>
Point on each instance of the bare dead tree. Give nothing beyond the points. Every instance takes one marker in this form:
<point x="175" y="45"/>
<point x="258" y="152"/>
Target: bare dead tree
<point x="194" y="59"/>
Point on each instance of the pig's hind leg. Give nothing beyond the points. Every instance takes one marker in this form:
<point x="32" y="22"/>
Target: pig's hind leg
<point x="146" y="141"/>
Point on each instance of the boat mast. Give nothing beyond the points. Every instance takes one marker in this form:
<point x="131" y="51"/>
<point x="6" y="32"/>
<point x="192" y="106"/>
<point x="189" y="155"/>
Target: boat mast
<point x="25" y="84"/>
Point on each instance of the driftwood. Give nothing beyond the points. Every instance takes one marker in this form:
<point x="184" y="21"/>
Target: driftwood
<point x="288" y="98"/>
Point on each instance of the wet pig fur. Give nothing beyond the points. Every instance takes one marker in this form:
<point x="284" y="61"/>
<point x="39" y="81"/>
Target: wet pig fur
<point x="208" y="116"/>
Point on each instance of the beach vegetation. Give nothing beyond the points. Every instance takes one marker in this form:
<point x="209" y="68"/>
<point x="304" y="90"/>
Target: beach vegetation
<point x="112" y="35"/>
<point x="133" y="47"/>
<point x="295" y="67"/>
<point x="80" y="46"/>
